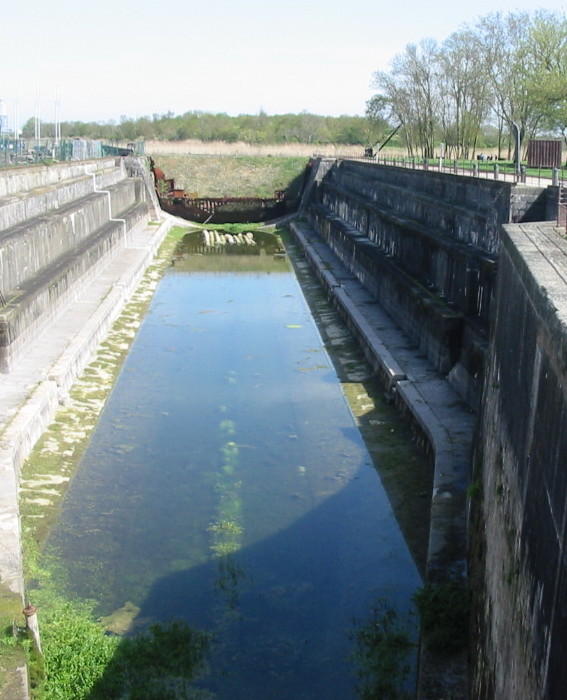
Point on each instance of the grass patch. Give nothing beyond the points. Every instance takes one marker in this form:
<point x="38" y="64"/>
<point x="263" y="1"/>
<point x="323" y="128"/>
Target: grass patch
<point x="13" y="640"/>
<point x="81" y="661"/>
<point x="234" y="176"/>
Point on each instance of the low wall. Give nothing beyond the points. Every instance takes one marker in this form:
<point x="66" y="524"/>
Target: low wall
<point x="521" y="532"/>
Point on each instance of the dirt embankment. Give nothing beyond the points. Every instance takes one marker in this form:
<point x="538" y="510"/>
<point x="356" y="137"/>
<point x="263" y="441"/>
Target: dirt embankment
<point x="233" y="176"/>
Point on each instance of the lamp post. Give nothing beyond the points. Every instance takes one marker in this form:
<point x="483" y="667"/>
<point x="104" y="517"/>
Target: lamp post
<point x="518" y="146"/>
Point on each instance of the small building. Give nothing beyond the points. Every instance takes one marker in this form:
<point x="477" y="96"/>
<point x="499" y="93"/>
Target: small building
<point x="544" y="153"/>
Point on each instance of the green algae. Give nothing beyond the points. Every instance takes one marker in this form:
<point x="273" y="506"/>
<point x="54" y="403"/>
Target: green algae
<point x="52" y="463"/>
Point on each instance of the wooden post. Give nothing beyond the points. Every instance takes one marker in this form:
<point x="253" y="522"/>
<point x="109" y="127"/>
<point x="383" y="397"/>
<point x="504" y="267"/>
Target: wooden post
<point x="30" y="612"/>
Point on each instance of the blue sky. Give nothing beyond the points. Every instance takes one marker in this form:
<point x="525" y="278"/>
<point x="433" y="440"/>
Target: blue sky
<point x="109" y="58"/>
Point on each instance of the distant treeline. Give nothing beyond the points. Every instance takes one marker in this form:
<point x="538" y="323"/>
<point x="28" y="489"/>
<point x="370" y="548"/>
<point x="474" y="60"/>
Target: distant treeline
<point x="256" y="129"/>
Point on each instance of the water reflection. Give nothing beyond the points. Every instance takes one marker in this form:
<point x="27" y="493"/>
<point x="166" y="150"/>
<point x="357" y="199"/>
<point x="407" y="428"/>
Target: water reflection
<point x="218" y="242"/>
<point x="227" y="485"/>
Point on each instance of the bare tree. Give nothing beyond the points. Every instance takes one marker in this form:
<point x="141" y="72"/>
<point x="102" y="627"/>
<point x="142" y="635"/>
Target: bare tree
<point x="546" y="56"/>
<point x="464" y="94"/>
<point x="508" y="69"/>
<point x="411" y="90"/>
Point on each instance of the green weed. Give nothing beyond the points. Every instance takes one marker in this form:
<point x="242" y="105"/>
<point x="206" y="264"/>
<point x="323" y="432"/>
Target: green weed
<point x="444" y="613"/>
<point x="383" y="653"/>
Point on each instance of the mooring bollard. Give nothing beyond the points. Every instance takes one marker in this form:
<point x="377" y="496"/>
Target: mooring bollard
<point x="30" y="613"/>
<point x="522" y="173"/>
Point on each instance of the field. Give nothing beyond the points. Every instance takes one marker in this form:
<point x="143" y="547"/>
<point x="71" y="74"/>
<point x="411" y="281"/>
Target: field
<point x="239" y="148"/>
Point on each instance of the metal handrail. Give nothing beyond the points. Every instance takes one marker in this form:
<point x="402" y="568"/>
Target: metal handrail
<point x="488" y="169"/>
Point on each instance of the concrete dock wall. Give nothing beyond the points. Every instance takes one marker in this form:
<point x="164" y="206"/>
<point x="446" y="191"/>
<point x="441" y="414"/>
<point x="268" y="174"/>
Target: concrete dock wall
<point x="522" y="458"/>
<point x="466" y="210"/>
<point x="19" y="181"/>
<point x="25" y="204"/>
<point x="426" y="244"/>
<point x="483" y="299"/>
<point x="55" y="237"/>
<point x="32" y="245"/>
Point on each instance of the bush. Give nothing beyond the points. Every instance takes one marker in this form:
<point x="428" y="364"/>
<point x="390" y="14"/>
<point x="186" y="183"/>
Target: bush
<point x="444" y="612"/>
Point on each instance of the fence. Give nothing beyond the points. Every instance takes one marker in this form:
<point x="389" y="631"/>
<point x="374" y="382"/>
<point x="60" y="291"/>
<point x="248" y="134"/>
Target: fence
<point x="17" y="152"/>
<point x="488" y="169"/>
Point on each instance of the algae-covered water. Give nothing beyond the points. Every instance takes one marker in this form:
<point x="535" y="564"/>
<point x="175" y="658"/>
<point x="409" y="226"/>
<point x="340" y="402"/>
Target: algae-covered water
<point x="228" y="485"/>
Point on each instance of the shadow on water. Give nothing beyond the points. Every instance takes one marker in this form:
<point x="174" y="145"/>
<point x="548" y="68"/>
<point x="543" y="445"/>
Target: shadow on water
<point x="278" y="603"/>
<point x="406" y="477"/>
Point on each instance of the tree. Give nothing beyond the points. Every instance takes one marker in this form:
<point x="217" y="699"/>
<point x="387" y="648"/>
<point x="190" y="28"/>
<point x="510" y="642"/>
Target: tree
<point x="464" y="94"/>
<point x="506" y="70"/>
<point x="546" y="52"/>
<point x="379" y="120"/>
<point x="502" y="42"/>
<point x="411" y="91"/>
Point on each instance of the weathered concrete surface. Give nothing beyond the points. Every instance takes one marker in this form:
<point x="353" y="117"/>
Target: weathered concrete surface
<point x="440" y="416"/>
<point x="425" y="244"/>
<point x="56" y="236"/>
<point x="520" y="558"/>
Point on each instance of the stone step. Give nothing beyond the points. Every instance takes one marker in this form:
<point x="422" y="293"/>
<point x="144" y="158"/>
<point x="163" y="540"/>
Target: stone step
<point x="29" y="247"/>
<point x="42" y="297"/>
<point x="22" y="206"/>
<point x="14" y="181"/>
<point x="444" y="268"/>
<point x="466" y="226"/>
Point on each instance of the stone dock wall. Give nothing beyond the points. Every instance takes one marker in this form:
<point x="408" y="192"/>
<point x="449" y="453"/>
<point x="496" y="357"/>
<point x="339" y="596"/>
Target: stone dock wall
<point x="478" y="289"/>
<point x="520" y="561"/>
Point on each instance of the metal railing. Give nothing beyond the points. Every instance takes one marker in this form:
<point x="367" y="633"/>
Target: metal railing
<point x="21" y="152"/>
<point x="487" y="169"/>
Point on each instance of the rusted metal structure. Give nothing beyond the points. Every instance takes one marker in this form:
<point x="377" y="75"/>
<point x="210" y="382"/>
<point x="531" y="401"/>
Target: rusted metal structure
<point x="221" y="210"/>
